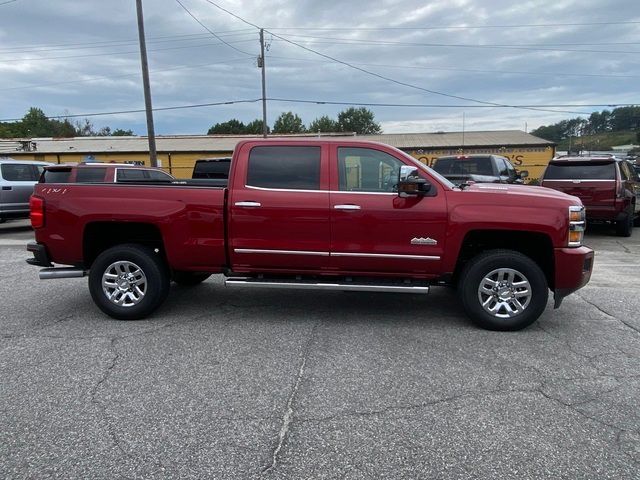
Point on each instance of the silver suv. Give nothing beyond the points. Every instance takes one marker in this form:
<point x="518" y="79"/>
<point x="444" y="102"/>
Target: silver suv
<point x="17" y="178"/>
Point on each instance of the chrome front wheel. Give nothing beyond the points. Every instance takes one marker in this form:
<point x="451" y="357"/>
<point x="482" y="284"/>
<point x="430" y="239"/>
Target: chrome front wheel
<point x="504" y="293"/>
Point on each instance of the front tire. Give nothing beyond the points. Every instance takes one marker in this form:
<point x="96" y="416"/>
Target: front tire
<point x="503" y="290"/>
<point x="129" y="281"/>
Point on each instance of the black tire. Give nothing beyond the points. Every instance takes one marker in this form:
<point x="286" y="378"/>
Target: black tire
<point x="189" y="279"/>
<point x="624" y="227"/>
<point x="479" y="272"/>
<point x="154" y="273"/>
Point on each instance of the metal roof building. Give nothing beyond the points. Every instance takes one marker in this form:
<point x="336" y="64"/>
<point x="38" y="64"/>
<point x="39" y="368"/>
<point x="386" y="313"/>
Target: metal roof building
<point x="177" y="153"/>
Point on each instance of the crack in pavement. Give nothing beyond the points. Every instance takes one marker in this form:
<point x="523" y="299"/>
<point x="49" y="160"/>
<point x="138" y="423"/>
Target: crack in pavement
<point x="604" y="312"/>
<point x="289" y="412"/>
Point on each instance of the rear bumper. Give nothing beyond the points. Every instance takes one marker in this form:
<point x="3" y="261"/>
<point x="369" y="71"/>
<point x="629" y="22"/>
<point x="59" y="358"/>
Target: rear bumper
<point x="572" y="272"/>
<point x="40" y="255"/>
<point x="606" y="213"/>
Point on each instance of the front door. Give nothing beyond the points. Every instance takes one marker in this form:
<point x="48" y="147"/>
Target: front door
<point x="373" y="230"/>
<point x="279" y="204"/>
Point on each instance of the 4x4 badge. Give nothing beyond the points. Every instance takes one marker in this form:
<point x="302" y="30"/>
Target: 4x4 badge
<point x="423" y="241"/>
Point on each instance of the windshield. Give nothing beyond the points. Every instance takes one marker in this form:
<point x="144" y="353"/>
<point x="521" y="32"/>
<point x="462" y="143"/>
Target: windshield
<point x="464" y="166"/>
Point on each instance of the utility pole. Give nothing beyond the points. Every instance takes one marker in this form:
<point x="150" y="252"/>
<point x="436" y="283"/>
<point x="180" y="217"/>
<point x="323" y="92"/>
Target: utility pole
<point x="151" y="134"/>
<point x="261" y="64"/>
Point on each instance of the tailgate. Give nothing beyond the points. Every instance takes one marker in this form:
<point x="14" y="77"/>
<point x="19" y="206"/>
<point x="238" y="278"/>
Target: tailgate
<point x="593" y="193"/>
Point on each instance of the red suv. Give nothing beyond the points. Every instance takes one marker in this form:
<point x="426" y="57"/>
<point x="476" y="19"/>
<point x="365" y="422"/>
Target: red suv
<point x="608" y="187"/>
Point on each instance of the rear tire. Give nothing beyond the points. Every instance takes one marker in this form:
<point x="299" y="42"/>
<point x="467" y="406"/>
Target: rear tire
<point x="129" y="281"/>
<point x="503" y="290"/>
<point x="189" y="279"/>
<point x="624" y="227"/>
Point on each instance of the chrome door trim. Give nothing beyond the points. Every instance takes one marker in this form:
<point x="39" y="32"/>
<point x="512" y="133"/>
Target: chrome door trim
<point x="385" y="255"/>
<point x="248" y="204"/>
<point x="282" y="252"/>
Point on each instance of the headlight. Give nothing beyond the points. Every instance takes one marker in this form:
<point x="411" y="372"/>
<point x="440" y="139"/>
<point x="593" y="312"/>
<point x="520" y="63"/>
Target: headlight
<point x="577" y="224"/>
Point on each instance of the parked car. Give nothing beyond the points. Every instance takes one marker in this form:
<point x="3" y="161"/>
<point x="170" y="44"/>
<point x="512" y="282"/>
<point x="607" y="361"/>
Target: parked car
<point x="478" y="168"/>
<point x="212" y="168"/>
<point x="608" y="187"/>
<point x="17" y="178"/>
<point x="103" y="173"/>
<point x="317" y="214"/>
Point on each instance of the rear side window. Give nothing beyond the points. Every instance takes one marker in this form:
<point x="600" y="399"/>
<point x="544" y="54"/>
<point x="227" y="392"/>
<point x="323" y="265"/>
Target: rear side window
<point x="56" y="176"/>
<point x="212" y="169"/>
<point x="158" y="176"/>
<point x="464" y="166"/>
<point x="284" y="167"/>
<point x="580" y="171"/>
<point x="90" y="175"/>
<point x="15" y="172"/>
<point x="130" y="174"/>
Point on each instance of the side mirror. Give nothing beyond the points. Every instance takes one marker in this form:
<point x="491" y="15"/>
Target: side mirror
<point x="523" y="173"/>
<point x="410" y="183"/>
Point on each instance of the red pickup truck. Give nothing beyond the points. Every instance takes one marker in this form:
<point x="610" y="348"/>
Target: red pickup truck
<point x="322" y="214"/>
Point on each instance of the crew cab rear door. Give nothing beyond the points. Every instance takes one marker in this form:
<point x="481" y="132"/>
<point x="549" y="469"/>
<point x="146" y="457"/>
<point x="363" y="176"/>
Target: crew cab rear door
<point x="375" y="231"/>
<point x="279" y="208"/>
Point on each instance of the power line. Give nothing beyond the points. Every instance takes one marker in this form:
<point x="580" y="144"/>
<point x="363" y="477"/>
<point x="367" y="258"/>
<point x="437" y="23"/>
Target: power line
<point x="119" y="43"/>
<point x="156" y="109"/>
<point x="377" y="75"/>
<point x="211" y="31"/>
<point x="452" y="27"/>
<point x="131" y="40"/>
<point x="471" y="70"/>
<point x="209" y="44"/>
<point x="5" y="3"/>
<point x="347" y="41"/>
<point x="333" y="102"/>
<point x="409" y="85"/>
<point x="94" y="79"/>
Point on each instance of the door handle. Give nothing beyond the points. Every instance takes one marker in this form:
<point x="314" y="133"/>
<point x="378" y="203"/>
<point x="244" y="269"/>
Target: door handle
<point x="248" y="204"/>
<point x="7" y="188"/>
<point x="347" y="206"/>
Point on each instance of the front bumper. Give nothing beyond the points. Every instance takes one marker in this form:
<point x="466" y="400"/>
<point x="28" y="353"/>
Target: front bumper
<point x="572" y="272"/>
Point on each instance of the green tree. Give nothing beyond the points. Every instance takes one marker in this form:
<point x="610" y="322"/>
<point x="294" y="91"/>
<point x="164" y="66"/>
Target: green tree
<point x="324" y="124"/>
<point x="288" y="122"/>
<point x="232" y="127"/>
<point x="359" y="120"/>
<point x="118" y="132"/>
<point x="35" y="124"/>
<point x="255" y="127"/>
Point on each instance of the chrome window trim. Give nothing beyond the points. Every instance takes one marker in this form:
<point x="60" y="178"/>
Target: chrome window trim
<point x="296" y="190"/>
<point x="576" y="180"/>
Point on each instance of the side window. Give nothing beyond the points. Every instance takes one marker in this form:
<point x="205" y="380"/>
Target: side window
<point x="158" y="176"/>
<point x="16" y="172"/>
<point x="130" y="175"/>
<point x="624" y="171"/>
<point x="503" y="170"/>
<point x="90" y="175"/>
<point x="510" y="170"/>
<point x="284" y="167"/>
<point x="367" y="170"/>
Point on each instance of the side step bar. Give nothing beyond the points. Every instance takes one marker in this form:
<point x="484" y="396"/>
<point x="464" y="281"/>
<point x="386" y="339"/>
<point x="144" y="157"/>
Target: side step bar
<point x="61" y="272"/>
<point x="250" y="282"/>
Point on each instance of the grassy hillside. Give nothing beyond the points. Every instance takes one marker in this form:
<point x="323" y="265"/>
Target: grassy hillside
<point x="601" y="141"/>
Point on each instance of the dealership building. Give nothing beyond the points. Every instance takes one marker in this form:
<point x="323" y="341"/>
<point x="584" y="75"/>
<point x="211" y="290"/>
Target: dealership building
<point x="177" y="153"/>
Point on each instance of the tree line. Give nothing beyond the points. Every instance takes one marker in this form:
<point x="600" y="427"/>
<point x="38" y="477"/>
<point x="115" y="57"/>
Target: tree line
<point x="358" y="120"/>
<point x="36" y="124"/>
<point x="618" y="119"/>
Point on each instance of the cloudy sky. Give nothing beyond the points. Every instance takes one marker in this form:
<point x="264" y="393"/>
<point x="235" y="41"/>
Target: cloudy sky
<point x="78" y="57"/>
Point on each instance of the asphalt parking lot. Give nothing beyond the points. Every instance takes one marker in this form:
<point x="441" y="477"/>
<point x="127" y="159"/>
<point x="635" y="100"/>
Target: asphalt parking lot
<point x="225" y="383"/>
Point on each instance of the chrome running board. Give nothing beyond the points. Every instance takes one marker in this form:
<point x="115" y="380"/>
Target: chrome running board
<point x="354" y="286"/>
